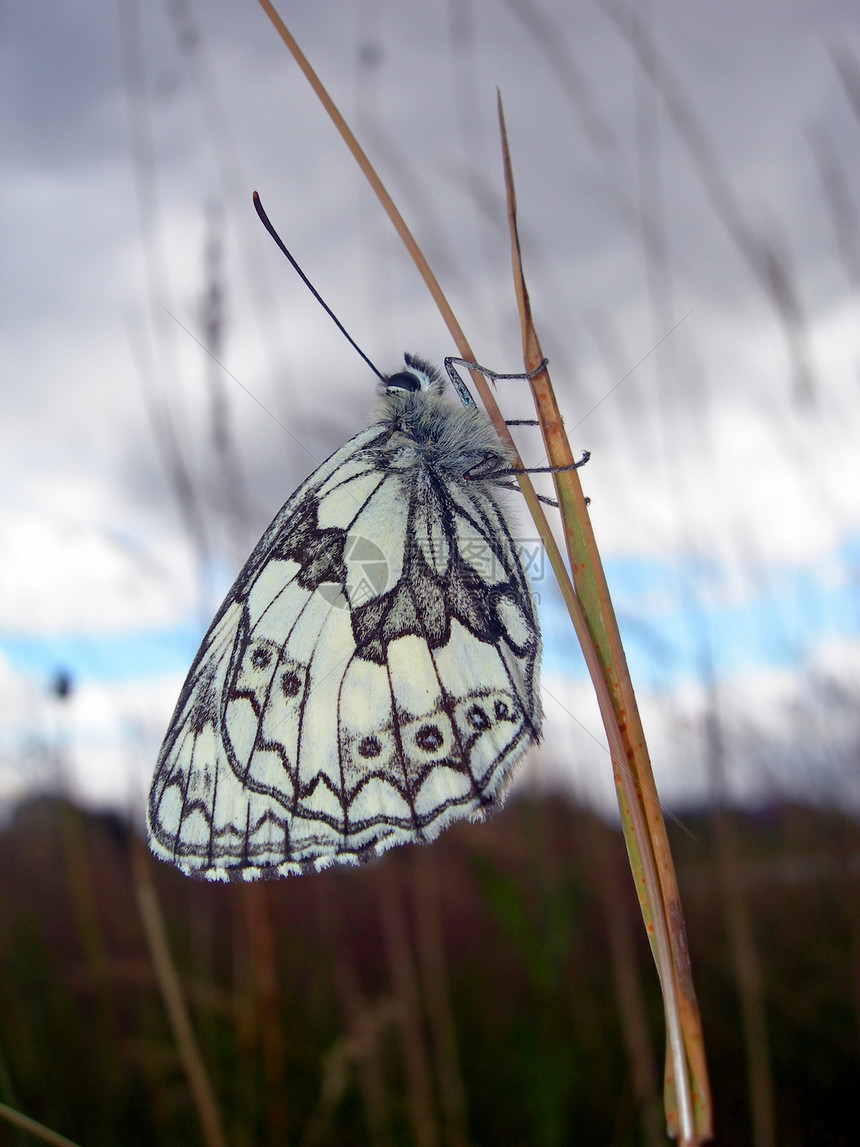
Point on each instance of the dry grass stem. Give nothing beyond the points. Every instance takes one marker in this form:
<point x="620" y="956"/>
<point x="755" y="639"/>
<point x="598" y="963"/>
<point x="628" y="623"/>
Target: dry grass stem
<point x="688" y="1093"/>
<point x="174" y="1001"/>
<point x="33" y="1128"/>
<point x="404" y="977"/>
<point x="688" y="1096"/>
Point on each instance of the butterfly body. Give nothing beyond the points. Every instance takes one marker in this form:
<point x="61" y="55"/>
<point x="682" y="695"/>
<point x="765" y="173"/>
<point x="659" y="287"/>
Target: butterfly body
<point x="372" y="675"/>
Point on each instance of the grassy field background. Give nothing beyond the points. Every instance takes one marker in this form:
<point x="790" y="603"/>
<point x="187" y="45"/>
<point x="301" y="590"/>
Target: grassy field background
<point x="496" y="988"/>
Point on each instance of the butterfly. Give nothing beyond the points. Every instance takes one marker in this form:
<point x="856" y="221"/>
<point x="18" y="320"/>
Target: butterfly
<point x="372" y="675"/>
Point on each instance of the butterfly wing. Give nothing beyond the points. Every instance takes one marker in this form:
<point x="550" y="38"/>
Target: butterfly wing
<point x="224" y="788"/>
<point x="370" y="677"/>
<point x="450" y="656"/>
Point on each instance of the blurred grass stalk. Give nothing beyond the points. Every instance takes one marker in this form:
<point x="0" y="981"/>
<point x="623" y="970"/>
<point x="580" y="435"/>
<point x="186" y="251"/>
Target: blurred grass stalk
<point x="687" y="1095"/>
<point x="37" y="1130"/>
<point x="170" y="987"/>
<point x="265" y="980"/>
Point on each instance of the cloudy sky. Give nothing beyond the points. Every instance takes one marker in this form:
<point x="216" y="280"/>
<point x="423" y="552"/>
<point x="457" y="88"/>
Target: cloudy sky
<point x="689" y="194"/>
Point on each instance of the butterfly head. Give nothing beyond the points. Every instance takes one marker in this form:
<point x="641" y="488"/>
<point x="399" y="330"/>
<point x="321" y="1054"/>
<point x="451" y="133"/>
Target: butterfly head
<point x="417" y="377"/>
<point x="430" y="431"/>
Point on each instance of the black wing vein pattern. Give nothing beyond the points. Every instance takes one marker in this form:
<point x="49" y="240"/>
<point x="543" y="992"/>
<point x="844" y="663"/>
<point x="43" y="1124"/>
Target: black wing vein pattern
<point x="370" y="677"/>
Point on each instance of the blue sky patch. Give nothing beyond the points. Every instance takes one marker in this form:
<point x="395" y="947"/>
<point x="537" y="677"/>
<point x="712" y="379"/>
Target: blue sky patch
<point x="672" y="617"/>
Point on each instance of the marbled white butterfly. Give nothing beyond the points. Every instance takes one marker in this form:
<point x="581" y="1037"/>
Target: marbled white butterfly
<point x="372" y="675"/>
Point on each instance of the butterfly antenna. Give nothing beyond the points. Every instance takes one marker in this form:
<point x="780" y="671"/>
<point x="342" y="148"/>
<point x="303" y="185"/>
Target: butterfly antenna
<point x="258" y="206"/>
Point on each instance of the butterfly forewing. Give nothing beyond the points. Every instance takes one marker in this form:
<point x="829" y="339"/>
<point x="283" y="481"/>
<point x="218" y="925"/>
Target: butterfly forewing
<point x="373" y="673"/>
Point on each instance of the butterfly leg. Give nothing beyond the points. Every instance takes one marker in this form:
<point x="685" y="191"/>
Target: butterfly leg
<point x="452" y="362"/>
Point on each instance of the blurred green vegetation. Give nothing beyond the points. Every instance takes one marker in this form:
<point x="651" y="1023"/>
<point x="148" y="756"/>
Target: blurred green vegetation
<point x="471" y="992"/>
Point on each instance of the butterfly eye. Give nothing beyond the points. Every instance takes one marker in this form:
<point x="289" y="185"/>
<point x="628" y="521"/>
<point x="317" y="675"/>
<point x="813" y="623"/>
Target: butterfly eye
<point x="403" y="380"/>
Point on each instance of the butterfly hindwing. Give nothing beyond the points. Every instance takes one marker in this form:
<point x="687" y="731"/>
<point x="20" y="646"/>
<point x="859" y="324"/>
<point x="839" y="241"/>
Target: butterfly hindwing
<point x="372" y="674"/>
<point x="219" y="801"/>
